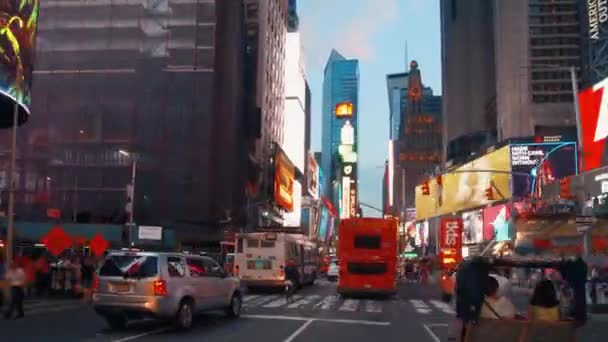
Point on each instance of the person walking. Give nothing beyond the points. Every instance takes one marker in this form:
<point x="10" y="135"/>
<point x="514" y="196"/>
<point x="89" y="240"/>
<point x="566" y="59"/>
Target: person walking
<point x="16" y="279"/>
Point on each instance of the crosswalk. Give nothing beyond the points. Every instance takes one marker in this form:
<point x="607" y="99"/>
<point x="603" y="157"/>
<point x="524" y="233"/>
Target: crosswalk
<point x="335" y="303"/>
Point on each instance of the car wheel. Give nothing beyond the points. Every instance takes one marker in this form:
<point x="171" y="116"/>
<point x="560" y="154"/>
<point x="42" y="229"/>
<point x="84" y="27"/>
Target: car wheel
<point x="116" y="322"/>
<point x="185" y="315"/>
<point x="234" y="309"/>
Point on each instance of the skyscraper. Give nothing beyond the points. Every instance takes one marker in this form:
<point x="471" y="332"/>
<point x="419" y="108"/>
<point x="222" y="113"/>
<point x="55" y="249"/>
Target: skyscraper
<point x="340" y="117"/>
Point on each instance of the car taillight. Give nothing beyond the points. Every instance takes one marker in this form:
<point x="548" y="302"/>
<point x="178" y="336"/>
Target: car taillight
<point x="160" y="288"/>
<point x="281" y="271"/>
<point x="95" y="284"/>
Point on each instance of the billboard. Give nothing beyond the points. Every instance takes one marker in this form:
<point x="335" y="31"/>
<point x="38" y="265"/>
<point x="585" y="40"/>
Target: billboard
<point x="17" y="41"/>
<point x="542" y="163"/>
<point x="496" y="223"/>
<point x="312" y="176"/>
<point x="349" y="201"/>
<point x="450" y="233"/>
<point x="284" y="179"/>
<point x="344" y="110"/>
<point x="323" y="223"/>
<point x="593" y="105"/>
<point x="294" y="217"/>
<point x="472" y="227"/>
<point x="465" y="186"/>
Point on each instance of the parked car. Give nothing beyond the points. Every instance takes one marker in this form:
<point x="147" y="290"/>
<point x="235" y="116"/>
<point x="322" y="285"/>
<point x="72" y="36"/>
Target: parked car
<point x="333" y="272"/>
<point x="168" y="286"/>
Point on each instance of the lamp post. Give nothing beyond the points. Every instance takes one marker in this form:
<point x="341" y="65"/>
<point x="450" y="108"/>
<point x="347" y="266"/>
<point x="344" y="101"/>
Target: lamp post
<point x="133" y="176"/>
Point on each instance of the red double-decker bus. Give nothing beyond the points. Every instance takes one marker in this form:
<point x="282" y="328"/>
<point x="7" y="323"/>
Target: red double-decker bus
<point x="367" y="254"/>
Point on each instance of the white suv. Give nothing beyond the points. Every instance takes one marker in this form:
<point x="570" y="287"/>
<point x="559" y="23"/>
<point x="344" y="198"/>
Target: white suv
<point x="170" y="286"/>
<point x="333" y="272"/>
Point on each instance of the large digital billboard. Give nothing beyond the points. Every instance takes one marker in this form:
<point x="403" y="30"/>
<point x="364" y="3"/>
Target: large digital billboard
<point x="18" y="20"/>
<point x="472" y="227"/>
<point x="540" y="163"/>
<point x="496" y="223"/>
<point x="593" y="104"/>
<point x="344" y="110"/>
<point x="465" y="187"/>
<point x="284" y="179"/>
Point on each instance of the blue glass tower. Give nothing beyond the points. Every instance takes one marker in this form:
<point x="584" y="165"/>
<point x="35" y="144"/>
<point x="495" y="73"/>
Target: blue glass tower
<point x="340" y="112"/>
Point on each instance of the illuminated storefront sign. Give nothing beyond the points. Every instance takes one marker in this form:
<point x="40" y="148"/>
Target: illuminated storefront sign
<point x="597" y="11"/>
<point x="344" y="109"/>
<point x="593" y="103"/>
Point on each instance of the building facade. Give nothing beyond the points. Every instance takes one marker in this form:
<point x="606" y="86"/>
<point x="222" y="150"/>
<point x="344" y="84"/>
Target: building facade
<point x="513" y="79"/>
<point x="340" y="114"/>
<point x="156" y="81"/>
<point x="416" y="142"/>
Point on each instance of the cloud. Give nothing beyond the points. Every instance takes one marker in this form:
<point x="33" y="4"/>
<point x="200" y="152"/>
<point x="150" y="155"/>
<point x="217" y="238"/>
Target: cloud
<point x="353" y="33"/>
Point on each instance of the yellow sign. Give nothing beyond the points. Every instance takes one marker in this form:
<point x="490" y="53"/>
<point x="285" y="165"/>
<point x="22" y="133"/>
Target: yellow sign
<point x="465" y="187"/>
<point x="344" y="109"/>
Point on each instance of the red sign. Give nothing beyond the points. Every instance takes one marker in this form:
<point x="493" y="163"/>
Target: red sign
<point x="451" y="233"/>
<point x="594" y="123"/>
<point x="56" y="241"/>
<point x="98" y="244"/>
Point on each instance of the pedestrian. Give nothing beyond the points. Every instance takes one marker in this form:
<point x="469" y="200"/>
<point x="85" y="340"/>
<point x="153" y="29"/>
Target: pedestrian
<point x="2" y="281"/>
<point x="42" y="275"/>
<point x="88" y="274"/>
<point x="17" y="281"/>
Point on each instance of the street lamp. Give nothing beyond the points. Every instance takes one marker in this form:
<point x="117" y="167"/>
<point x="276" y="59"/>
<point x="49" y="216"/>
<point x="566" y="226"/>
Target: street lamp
<point x="133" y="157"/>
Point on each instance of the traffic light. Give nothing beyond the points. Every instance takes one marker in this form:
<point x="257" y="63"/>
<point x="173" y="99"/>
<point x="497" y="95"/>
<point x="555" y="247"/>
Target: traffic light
<point x="490" y="193"/>
<point x="425" y="188"/>
<point x="564" y="188"/>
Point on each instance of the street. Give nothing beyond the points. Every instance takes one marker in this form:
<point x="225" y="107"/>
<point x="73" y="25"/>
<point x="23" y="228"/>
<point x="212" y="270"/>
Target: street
<point x="316" y="314"/>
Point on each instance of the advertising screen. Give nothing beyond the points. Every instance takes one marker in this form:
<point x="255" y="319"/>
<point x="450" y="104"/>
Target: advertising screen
<point x="593" y="105"/>
<point x="450" y="234"/>
<point x="323" y="223"/>
<point x="312" y="176"/>
<point x="496" y="221"/>
<point x="344" y="110"/>
<point x="284" y="179"/>
<point x="472" y="227"/>
<point x="410" y="237"/>
<point x="465" y="187"/>
<point x="542" y="163"/>
<point x="422" y="236"/>
<point x="18" y="20"/>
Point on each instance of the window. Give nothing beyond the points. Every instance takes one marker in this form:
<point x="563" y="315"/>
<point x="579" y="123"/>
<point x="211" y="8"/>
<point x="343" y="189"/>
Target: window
<point x="197" y="268"/>
<point x="371" y="268"/>
<point x="141" y="266"/>
<point x="176" y="267"/>
<point x="212" y="267"/>
<point x="367" y="241"/>
<point x="253" y="243"/>
<point x="239" y="246"/>
<point x="267" y="244"/>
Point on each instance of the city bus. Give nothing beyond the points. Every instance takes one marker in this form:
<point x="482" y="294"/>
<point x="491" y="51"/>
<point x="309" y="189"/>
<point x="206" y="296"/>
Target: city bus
<point x="367" y="256"/>
<point x="261" y="257"/>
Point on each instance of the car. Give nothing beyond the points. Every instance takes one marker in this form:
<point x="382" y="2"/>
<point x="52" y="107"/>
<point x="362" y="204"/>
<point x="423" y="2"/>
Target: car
<point x="333" y="272"/>
<point x="167" y="286"/>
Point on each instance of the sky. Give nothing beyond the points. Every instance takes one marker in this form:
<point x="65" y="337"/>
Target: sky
<point x="375" y="32"/>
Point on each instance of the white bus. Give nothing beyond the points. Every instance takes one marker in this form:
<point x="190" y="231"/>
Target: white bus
<point x="260" y="258"/>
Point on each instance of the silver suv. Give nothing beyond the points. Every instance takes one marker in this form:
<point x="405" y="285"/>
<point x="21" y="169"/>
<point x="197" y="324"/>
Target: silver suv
<point x="172" y="286"/>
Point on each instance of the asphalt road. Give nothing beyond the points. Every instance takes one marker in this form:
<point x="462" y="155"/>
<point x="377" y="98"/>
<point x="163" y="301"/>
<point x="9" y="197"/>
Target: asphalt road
<point x="317" y="314"/>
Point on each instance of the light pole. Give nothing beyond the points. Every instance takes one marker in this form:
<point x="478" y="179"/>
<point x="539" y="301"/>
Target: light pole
<point x="133" y="157"/>
<point x="11" y="191"/>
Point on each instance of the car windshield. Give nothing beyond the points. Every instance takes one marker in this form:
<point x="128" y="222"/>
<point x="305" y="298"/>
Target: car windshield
<point x="140" y="266"/>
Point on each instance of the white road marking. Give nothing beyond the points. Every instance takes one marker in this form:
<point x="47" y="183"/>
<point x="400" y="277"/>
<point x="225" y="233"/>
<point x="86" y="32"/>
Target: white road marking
<point x="277" y="303"/>
<point x="327" y="303"/>
<point x="303" y="301"/>
<point x="420" y="306"/>
<point x="437" y="325"/>
<point x="299" y="331"/>
<point x="445" y="307"/>
<point x="329" y="320"/>
<point x="147" y="333"/>
<point x="350" y="305"/>
<point x="248" y="298"/>
<point x="38" y="310"/>
<point x="261" y="300"/>
<point x="371" y="306"/>
<point x="434" y="337"/>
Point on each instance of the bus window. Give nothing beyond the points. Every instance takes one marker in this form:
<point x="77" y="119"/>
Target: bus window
<point x="367" y="241"/>
<point x="253" y="243"/>
<point x="267" y="244"/>
<point x="366" y="268"/>
<point x="239" y="246"/>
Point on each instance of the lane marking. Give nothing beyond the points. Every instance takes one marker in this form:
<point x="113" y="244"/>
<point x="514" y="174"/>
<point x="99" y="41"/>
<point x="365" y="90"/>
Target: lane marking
<point x="350" y="305"/>
<point x="277" y="303"/>
<point x="372" y="306"/>
<point x="147" y="333"/>
<point x="40" y="311"/>
<point x="434" y="337"/>
<point x="446" y="308"/>
<point x="249" y="298"/>
<point x="328" y="320"/>
<point x="303" y="301"/>
<point x="327" y="303"/>
<point x="261" y="300"/>
<point x="437" y="325"/>
<point x="420" y="306"/>
<point x="299" y="331"/>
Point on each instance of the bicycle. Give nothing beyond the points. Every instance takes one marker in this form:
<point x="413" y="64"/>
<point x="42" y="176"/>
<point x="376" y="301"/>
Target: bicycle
<point x="289" y="290"/>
